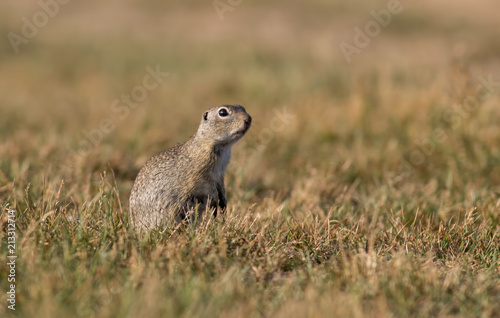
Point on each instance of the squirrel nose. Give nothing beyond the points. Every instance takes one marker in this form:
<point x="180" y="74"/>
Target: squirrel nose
<point x="248" y="120"/>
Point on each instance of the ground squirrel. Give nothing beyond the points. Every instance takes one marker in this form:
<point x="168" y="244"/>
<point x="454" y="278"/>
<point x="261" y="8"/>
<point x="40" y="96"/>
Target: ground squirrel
<point x="190" y="176"/>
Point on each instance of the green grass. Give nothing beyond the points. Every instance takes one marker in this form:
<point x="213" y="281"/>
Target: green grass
<point x="323" y="219"/>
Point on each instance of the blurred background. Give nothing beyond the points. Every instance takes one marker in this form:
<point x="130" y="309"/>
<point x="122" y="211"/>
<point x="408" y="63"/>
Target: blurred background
<point x="368" y="185"/>
<point x="357" y="103"/>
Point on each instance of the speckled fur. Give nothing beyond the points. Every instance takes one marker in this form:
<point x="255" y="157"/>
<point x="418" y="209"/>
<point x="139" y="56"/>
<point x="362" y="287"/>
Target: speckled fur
<point x="175" y="182"/>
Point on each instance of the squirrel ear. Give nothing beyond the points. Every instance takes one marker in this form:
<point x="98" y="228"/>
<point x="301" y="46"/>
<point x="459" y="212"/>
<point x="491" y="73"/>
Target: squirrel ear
<point x="205" y="116"/>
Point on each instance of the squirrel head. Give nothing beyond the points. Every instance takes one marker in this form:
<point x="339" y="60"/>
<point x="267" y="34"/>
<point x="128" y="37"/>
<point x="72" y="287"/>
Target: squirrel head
<point x="224" y="125"/>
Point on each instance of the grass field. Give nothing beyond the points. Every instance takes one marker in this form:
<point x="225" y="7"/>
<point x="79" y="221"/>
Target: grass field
<point x="363" y="189"/>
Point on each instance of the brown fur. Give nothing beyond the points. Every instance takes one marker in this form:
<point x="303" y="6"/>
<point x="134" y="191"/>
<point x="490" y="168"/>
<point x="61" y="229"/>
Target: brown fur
<point x="175" y="182"/>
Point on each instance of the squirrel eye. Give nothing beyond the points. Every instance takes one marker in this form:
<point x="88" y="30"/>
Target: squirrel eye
<point x="205" y="116"/>
<point x="223" y="112"/>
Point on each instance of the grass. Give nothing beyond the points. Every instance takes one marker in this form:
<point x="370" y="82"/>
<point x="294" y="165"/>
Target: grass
<point x="364" y="202"/>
